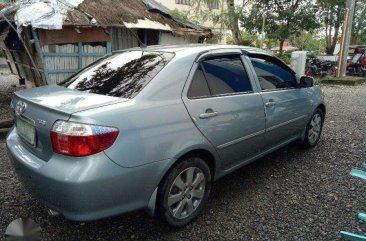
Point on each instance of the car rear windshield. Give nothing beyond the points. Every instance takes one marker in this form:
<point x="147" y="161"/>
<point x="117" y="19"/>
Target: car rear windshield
<point x="120" y="75"/>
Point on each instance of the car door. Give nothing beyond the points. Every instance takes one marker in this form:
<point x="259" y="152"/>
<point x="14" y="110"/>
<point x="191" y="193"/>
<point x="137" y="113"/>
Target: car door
<point x="225" y="105"/>
<point x="286" y="106"/>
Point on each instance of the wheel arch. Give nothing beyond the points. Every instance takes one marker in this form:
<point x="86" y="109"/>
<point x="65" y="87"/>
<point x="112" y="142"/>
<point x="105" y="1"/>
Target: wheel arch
<point x="202" y="151"/>
<point x="323" y="108"/>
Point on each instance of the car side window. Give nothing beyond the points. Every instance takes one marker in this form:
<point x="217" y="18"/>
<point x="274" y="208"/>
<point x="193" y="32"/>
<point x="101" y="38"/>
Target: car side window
<point x="226" y="75"/>
<point x="199" y="87"/>
<point x="271" y="76"/>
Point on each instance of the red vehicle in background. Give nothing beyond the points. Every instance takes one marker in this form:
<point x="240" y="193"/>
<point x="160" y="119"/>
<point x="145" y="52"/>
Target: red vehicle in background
<point x="356" y="64"/>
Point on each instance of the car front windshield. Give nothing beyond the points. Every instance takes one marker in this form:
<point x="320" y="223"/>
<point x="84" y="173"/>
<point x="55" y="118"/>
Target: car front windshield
<point x="120" y="75"/>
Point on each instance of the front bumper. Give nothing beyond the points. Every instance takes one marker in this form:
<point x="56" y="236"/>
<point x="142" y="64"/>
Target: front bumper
<point x="87" y="188"/>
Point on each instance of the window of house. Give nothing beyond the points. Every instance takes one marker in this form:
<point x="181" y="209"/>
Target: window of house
<point x="148" y="37"/>
<point x="183" y="2"/>
<point x="271" y="76"/>
<point x="220" y="76"/>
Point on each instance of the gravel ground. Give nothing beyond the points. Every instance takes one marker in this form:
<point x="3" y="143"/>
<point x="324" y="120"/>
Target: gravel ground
<point x="292" y="194"/>
<point x="7" y="87"/>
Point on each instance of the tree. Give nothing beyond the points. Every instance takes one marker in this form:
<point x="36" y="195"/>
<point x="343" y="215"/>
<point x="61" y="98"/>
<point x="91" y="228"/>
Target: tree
<point x="307" y="41"/>
<point x="233" y="15"/>
<point x="228" y="16"/>
<point x="180" y="14"/>
<point x="359" y="23"/>
<point x="331" y="14"/>
<point x="247" y="39"/>
<point x="269" y="43"/>
<point x="284" y="18"/>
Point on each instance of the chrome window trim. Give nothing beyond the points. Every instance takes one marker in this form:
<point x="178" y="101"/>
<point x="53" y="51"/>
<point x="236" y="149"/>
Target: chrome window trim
<point x="221" y="95"/>
<point x="280" y="89"/>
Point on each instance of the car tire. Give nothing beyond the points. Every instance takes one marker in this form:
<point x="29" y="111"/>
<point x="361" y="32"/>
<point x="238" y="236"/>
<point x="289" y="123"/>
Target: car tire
<point x="184" y="192"/>
<point x="314" y="129"/>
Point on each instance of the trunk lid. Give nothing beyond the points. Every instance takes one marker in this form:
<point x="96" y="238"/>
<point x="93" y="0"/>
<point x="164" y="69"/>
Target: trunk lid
<point x="36" y="110"/>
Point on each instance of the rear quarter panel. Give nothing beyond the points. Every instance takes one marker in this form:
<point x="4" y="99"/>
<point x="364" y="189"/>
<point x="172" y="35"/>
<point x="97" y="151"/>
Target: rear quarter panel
<point x="155" y="125"/>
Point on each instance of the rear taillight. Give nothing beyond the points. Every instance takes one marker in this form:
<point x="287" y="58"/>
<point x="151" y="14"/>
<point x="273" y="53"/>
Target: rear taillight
<point x="75" y="139"/>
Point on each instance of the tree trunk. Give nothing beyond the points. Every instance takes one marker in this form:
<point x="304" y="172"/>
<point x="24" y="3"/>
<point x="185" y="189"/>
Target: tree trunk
<point x="334" y="41"/>
<point x="329" y="46"/>
<point x="327" y="42"/>
<point x="354" y="33"/>
<point x="281" y="47"/>
<point x="234" y="23"/>
<point x="332" y="38"/>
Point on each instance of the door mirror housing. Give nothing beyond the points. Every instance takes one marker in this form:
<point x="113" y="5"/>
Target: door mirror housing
<point x="306" y="82"/>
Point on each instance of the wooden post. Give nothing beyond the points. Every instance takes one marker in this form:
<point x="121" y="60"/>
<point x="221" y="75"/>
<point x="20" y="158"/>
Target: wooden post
<point x="343" y="43"/>
<point x="346" y="37"/>
<point x="40" y="52"/>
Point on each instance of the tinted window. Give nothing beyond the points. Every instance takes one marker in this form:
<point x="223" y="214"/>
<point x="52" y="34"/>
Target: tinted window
<point x="226" y="75"/>
<point x="199" y="87"/>
<point x="271" y="76"/>
<point x="120" y="75"/>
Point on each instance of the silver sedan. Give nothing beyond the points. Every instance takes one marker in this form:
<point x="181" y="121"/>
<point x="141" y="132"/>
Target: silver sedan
<point x="152" y="128"/>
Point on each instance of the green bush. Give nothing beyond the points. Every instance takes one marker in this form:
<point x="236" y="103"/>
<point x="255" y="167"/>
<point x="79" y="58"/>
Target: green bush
<point x="286" y="57"/>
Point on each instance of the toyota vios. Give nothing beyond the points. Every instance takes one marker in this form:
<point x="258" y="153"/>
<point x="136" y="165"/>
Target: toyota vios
<point x="152" y="128"/>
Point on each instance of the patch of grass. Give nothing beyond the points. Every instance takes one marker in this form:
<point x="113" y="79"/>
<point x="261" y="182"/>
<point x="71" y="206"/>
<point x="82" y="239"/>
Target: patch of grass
<point x="347" y="80"/>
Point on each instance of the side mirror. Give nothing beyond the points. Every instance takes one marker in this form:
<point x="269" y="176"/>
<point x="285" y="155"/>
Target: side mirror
<point x="306" y="82"/>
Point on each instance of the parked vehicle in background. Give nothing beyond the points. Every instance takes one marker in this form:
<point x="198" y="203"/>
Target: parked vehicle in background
<point x="356" y="65"/>
<point x="316" y="67"/>
<point x="152" y="128"/>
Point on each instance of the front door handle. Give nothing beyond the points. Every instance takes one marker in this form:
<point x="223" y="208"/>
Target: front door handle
<point x="209" y="113"/>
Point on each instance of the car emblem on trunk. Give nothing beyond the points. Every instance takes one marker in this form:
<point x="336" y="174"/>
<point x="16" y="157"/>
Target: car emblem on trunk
<point x="20" y="108"/>
<point x="42" y="122"/>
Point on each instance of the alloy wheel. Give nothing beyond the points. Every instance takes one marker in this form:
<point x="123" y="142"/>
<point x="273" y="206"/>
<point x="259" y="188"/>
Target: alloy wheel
<point x="315" y="128"/>
<point x="186" y="192"/>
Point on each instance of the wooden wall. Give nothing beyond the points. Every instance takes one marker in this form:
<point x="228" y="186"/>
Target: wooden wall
<point x="61" y="53"/>
<point x="65" y="52"/>
<point x="123" y="38"/>
<point x="61" y="61"/>
<point x="19" y="61"/>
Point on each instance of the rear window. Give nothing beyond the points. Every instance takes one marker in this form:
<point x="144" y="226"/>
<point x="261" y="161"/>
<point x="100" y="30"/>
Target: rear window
<point x="120" y="75"/>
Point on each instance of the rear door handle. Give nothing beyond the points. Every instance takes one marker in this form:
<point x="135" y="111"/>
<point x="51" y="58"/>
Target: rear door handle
<point x="209" y="113"/>
<point x="270" y="103"/>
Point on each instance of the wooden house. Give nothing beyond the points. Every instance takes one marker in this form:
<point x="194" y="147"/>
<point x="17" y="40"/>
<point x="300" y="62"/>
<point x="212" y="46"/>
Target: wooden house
<point x="41" y="56"/>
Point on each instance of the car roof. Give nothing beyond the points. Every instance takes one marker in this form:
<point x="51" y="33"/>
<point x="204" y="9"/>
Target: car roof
<point x="198" y="48"/>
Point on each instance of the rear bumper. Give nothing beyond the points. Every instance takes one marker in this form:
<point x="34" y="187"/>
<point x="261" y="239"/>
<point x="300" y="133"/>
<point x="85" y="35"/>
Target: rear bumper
<point x="84" y="189"/>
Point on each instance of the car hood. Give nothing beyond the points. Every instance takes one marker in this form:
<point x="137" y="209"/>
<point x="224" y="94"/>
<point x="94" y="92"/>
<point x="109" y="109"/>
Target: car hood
<point x="65" y="100"/>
